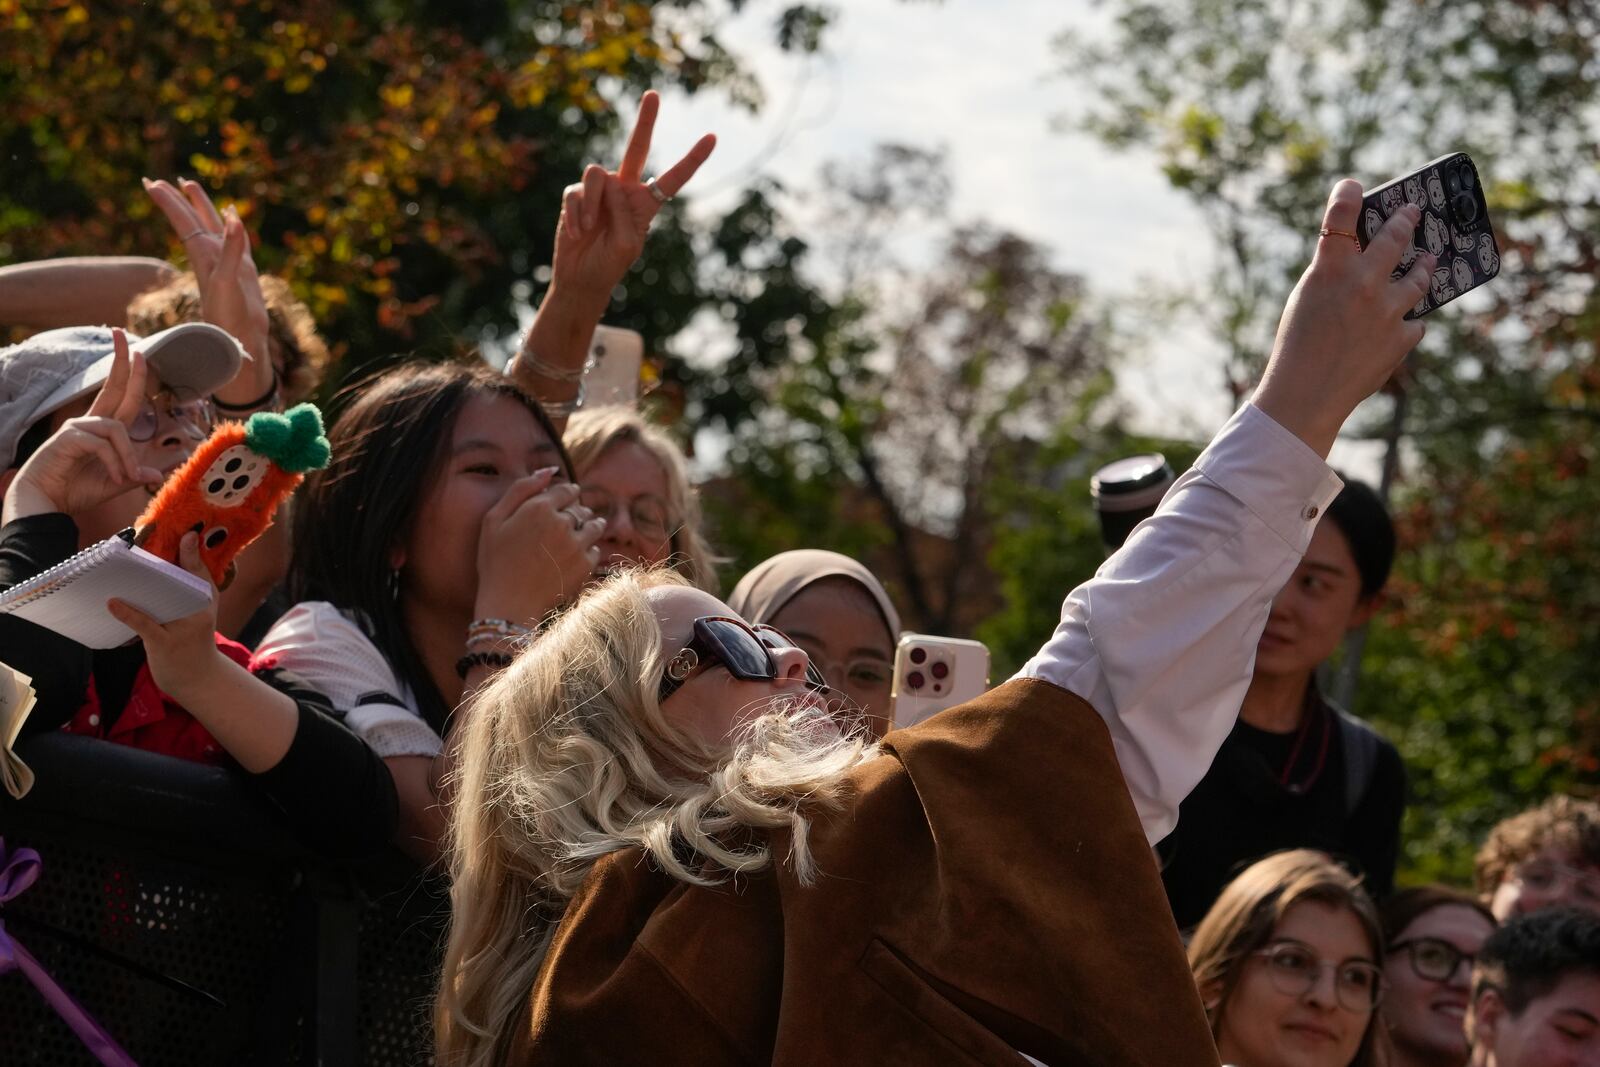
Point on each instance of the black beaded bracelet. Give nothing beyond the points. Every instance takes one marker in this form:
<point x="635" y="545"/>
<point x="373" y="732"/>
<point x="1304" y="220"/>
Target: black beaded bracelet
<point x="482" y="659"/>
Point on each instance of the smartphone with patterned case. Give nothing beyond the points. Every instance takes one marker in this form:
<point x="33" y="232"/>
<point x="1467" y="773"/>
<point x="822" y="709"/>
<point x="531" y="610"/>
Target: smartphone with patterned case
<point x="1455" y="227"/>
<point x="934" y="673"/>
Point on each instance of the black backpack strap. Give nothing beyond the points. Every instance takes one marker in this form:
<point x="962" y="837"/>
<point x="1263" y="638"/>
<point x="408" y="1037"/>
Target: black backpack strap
<point x="1360" y="757"/>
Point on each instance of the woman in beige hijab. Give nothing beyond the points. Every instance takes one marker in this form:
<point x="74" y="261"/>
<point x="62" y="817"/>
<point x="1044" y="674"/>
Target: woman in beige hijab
<point x="835" y="609"/>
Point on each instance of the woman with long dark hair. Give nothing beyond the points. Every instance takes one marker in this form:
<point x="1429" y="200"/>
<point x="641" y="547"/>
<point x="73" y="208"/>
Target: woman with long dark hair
<point x="446" y="528"/>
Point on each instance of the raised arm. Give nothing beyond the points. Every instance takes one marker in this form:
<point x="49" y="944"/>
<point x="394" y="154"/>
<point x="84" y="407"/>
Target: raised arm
<point x="1162" y="640"/>
<point x="77" y="290"/>
<point x="604" y="222"/>
<point x="230" y="288"/>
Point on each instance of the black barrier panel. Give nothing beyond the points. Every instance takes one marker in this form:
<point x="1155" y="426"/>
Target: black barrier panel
<point x="180" y="913"/>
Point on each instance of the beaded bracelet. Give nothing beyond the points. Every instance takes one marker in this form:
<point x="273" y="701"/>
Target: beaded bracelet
<point x="482" y="659"/>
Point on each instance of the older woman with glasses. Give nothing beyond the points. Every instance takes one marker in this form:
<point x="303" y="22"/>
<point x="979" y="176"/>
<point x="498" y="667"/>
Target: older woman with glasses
<point x="635" y="477"/>
<point x="1288" y="962"/>
<point x="1433" y="935"/>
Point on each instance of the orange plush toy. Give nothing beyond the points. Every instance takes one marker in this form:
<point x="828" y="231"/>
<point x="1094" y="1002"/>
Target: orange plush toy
<point x="228" y="490"/>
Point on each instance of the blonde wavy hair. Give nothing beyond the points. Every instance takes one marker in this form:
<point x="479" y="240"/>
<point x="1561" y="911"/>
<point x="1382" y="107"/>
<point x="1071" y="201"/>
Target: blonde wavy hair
<point x="592" y="431"/>
<point x="566" y="757"/>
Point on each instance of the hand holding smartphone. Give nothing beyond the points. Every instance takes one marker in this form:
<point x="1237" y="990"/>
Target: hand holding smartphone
<point x="1455" y="227"/>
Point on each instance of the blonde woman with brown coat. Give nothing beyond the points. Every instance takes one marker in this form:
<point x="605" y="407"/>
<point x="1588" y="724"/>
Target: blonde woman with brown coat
<point x="664" y="851"/>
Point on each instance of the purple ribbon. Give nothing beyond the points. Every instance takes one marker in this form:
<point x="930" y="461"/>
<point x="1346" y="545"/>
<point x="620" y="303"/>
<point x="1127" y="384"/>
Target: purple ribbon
<point x="19" y="870"/>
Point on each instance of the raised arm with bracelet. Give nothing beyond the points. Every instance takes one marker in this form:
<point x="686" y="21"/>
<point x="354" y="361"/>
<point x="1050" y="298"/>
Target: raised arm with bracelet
<point x="604" y="221"/>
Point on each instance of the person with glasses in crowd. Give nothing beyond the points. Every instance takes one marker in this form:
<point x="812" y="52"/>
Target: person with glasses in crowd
<point x="664" y="849"/>
<point x="89" y="430"/>
<point x="1433" y="935"/>
<point x="1536" y="992"/>
<point x="1289" y="965"/>
<point x="837" y="611"/>
<point x="1547" y="855"/>
<point x="635" y="477"/>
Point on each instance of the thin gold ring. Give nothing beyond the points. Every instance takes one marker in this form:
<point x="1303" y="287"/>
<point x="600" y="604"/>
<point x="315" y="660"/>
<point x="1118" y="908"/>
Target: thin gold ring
<point x="197" y="233"/>
<point x="1327" y="232"/>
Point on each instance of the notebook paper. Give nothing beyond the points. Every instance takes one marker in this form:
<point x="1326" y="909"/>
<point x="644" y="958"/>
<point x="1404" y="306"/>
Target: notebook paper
<point x="70" y="598"/>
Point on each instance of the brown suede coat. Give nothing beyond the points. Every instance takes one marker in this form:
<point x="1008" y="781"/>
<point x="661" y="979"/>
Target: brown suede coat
<point x="987" y="888"/>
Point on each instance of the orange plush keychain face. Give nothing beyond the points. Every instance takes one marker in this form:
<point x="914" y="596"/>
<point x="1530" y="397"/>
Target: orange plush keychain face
<point x="229" y="489"/>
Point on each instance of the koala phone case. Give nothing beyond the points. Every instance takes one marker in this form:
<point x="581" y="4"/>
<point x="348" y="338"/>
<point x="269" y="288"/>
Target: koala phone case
<point x="934" y="673"/>
<point x="1455" y="227"/>
<point x="617" y="355"/>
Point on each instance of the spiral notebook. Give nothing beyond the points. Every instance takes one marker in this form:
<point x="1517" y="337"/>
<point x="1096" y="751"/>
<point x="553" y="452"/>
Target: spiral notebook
<point x="70" y="598"/>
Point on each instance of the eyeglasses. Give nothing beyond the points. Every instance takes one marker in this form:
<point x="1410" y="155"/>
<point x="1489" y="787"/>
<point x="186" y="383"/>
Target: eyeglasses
<point x="744" y="650"/>
<point x="1548" y="876"/>
<point x="649" y="513"/>
<point x="1294" y="969"/>
<point x="866" y="671"/>
<point x="1432" y="958"/>
<point x="187" y="409"/>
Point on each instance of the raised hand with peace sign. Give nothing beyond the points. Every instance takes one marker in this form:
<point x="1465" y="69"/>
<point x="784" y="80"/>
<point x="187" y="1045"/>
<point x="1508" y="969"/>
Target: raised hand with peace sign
<point x="605" y="219"/>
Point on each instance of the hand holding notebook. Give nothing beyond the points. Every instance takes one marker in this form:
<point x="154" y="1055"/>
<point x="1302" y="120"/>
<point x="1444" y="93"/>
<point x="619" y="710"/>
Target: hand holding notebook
<point x="70" y="598"/>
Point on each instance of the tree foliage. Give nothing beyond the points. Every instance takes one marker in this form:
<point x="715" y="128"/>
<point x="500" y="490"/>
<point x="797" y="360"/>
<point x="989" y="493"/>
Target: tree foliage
<point x="401" y="165"/>
<point x="941" y="422"/>
<point x="1255" y="108"/>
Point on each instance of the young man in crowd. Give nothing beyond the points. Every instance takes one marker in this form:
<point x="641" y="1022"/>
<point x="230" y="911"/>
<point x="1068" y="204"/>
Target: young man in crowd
<point x="1545" y="856"/>
<point x="1298" y="772"/>
<point x="1536" y="992"/>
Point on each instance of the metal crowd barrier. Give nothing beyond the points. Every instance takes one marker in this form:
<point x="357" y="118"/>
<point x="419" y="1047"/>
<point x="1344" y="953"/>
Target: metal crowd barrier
<point x="175" y="907"/>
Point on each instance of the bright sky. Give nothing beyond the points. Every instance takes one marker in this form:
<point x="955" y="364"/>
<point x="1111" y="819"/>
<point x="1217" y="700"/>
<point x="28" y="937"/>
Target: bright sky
<point x="978" y="80"/>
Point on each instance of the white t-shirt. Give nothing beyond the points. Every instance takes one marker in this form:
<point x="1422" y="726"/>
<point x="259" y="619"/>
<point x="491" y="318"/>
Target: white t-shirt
<point x="327" y="649"/>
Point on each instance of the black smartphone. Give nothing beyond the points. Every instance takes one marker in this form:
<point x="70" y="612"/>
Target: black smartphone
<point x="1455" y="227"/>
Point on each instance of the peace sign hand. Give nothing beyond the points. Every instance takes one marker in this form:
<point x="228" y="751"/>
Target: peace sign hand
<point x="606" y="217"/>
<point x="90" y="459"/>
<point x="230" y="287"/>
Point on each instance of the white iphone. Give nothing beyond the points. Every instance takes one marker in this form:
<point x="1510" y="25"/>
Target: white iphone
<point x="617" y="356"/>
<point x="934" y="673"/>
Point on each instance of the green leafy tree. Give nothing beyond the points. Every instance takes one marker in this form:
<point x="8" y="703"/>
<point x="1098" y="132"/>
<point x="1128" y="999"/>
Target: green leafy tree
<point x="1254" y="109"/>
<point x="401" y="165"/>
<point x="923" y="402"/>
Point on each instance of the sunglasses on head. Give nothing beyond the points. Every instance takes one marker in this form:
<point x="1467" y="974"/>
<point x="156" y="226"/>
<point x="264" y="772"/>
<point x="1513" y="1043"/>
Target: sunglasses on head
<point x="744" y="650"/>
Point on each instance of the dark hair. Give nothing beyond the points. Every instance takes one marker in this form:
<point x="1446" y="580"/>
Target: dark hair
<point x="388" y="445"/>
<point x="1562" y="822"/>
<point x="1404" y="907"/>
<point x="1529" y="956"/>
<point x="1361" y="517"/>
<point x="32" y="439"/>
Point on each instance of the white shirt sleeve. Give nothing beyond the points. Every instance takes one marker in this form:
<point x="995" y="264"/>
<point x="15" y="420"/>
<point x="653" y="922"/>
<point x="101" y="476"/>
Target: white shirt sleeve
<point x="319" y="645"/>
<point x="1162" y="640"/>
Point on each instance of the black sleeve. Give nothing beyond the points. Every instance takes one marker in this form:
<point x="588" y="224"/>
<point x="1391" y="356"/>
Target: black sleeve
<point x="1373" y="832"/>
<point x="59" y="666"/>
<point x="335" y="791"/>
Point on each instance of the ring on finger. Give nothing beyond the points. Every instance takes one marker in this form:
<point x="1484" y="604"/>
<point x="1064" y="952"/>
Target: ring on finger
<point x="577" y="520"/>
<point x="1328" y="231"/>
<point x="191" y="236"/>
<point x="655" y="191"/>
